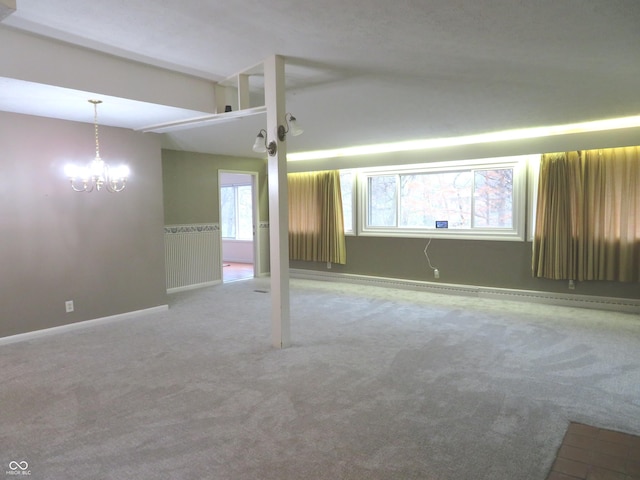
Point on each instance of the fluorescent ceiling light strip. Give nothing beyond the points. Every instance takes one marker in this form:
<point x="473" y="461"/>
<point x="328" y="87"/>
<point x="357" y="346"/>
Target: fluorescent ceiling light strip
<point x="518" y="134"/>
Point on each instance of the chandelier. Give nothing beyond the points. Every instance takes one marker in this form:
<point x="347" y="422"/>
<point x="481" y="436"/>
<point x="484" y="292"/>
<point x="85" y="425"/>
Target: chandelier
<point x="97" y="174"/>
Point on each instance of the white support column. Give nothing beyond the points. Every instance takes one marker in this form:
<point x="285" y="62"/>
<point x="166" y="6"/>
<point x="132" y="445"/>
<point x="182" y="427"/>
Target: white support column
<point x="274" y="91"/>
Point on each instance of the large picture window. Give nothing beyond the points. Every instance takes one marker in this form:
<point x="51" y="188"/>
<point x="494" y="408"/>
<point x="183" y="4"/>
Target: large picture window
<point x="465" y="199"/>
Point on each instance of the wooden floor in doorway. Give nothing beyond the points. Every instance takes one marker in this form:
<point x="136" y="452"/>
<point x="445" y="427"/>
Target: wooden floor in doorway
<point x="590" y="453"/>
<point x="233" y="271"/>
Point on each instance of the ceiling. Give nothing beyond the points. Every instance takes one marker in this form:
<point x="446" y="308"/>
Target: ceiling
<point x="357" y="72"/>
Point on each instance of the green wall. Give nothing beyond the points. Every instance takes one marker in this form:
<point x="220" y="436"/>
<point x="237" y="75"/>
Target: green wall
<point x="190" y="185"/>
<point x="503" y="264"/>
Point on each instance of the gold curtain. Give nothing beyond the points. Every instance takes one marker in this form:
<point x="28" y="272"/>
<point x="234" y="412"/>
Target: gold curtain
<point x="588" y="216"/>
<point x="316" y="226"/>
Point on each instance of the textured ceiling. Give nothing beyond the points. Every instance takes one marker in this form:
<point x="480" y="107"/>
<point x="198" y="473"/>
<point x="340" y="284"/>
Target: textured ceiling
<point x="374" y="71"/>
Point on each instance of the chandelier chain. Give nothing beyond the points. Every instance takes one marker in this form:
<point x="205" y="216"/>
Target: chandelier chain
<point x="95" y="125"/>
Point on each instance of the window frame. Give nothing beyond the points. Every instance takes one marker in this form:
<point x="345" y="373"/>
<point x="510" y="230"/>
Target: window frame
<point x="353" y="231"/>
<point x="533" y="172"/>
<point x="519" y="200"/>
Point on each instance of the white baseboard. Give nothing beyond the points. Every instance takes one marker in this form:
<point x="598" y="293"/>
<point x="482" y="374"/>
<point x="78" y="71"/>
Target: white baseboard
<point x="193" y="287"/>
<point x="21" y="337"/>
<point x="626" y="305"/>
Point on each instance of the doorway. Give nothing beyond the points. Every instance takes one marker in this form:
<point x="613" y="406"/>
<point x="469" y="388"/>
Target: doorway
<point x="238" y="220"/>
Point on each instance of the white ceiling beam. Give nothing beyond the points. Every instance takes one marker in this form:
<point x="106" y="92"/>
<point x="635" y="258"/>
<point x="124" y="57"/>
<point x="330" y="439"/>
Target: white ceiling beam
<point x="202" y="120"/>
<point x="56" y="63"/>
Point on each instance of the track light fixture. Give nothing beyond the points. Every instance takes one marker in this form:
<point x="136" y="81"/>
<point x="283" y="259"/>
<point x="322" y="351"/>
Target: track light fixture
<point x="291" y="125"/>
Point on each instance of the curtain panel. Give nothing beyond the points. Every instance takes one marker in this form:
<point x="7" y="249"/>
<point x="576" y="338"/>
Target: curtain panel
<point x="588" y="216"/>
<point x="316" y="225"/>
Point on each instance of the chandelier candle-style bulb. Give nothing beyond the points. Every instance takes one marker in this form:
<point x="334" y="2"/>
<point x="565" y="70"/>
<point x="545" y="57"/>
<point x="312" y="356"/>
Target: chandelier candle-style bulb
<point x="97" y="174"/>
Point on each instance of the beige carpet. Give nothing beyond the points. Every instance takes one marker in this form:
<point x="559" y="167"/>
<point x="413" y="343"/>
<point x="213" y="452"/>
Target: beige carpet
<point x="379" y="384"/>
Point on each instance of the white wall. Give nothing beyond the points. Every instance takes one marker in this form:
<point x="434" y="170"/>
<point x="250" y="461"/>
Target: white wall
<point x="240" y="251"/>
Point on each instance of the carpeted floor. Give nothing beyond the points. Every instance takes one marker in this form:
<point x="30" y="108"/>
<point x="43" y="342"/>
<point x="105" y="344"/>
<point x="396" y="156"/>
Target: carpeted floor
<point x="379" y="384"/>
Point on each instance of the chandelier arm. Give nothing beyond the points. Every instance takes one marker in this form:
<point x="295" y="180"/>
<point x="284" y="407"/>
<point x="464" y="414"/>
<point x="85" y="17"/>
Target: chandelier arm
<point x="85" y="186"/>
<point x="114" y="187"/>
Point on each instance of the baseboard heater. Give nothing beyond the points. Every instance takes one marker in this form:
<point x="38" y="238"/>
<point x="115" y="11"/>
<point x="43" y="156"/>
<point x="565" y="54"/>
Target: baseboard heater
<point x="626" y="305"/>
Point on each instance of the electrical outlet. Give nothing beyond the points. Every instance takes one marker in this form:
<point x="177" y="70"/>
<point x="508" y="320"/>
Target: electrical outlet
<point x="328" y="265"/>
<point x="572" y="285"/>
<point x="436" y="273"/>
<point x="68" y="305"/>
